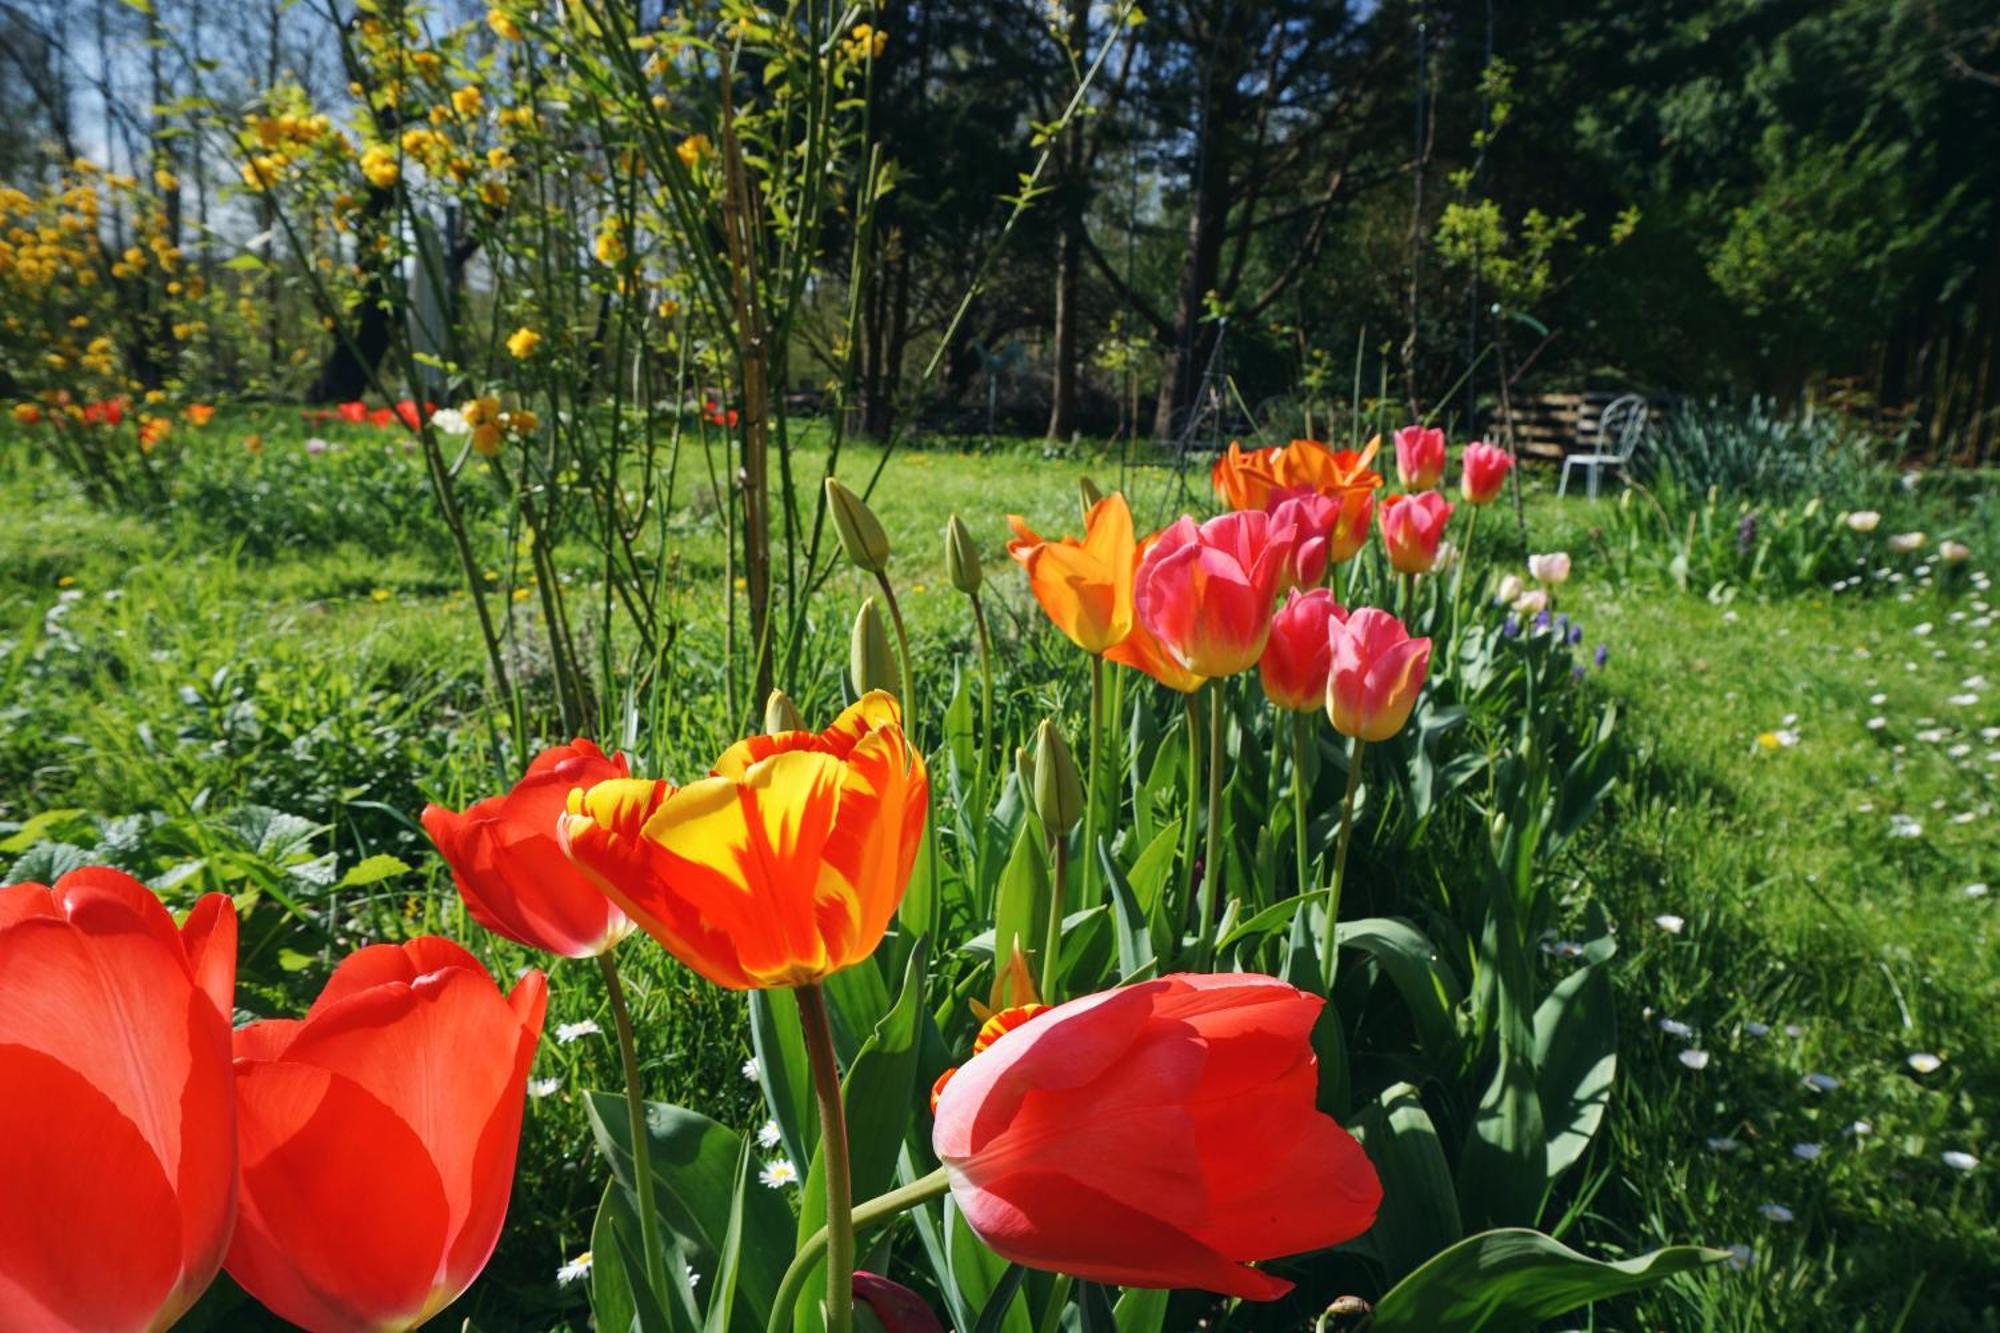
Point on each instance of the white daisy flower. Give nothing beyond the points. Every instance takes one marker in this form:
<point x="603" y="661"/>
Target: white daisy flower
<point x="1741" y="1257"/>
<point x="543" y="1087"/>
<point x="1924" y="1062"/>
<point x="1673" y="1027"/>
<point x="1959" y="1161"/>
<point x="1757" y="1029"/>
<point x="1822" y="1082"/>
<point x="569" y="1032"/>
<point x="778" y="1173"/>
<point x="1878" y="698"/>
<point x="1902" y="826"/>
<point x="1974" y="890"/>
<point x="1775" y="1212"/>
<point x="1806" y="1152"/>
<point x="576" y="1270"/>
<point x="752" y="1070"/>
<point x="450" y="421"/>
<point x="1670" y="923"/>
<point x="1695" y="1060"/>
<point x="1876" y="723"/>
<point x="1722" y="1143"/>
<point x="768" y="1134"/>
<point x="1860" y="1129"/>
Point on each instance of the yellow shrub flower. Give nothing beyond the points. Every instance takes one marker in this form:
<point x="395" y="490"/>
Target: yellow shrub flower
<point x="522" y="342"/>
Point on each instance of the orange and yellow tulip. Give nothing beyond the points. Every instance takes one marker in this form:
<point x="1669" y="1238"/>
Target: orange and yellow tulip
<point x="780" y="868"/>
<point x="1085" y="586"/>
<point x="1259" y="478"/>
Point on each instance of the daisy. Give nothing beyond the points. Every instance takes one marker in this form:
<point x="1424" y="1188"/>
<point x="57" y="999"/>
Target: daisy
<point x="1806" y="1152"/>
<point x="1722" y="1143"/>
<point x="1923" y="1062"/>
<point x="1673" y="1027"/>
<point x="778" y="1173"/>
<point x="569" y="1032"/>
<point x="752" y="1070"/>
<point x="1670" y="923"/>
<point x="768" y="1134"/>
<point x="1822" y="1082"/>
<point x="576" y="1270"/>
<point x="1695" y="1060"/>
<point x="1775" y="1212"/>
<point x="1959" y="1161"/>
<point x="543" y="1087"/>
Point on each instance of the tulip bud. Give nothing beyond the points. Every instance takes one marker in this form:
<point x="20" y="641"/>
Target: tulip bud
<point x="860" y="532"/>
<point x="1087" y="491"/>
<point x="891" y="1306"/>
<point x="870" y="664"/>
<point x="1058" y="789"/>
<point x="961" y="556"/>
<point x="781" y="714"/>
<point x="1024" y="771"/>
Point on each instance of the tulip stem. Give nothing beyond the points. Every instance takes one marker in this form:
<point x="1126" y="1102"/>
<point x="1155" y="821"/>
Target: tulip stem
<point x="1090" y="774"/>
<point x="1301" y="741"/>
<point x="1458" y="590"/>
<point x="988" y="742"/>
<point x="1052" y="936"/>
<point x="1193" y="805"/>
<point x="635" y="1111"/>
<point x="1329" y="948"/>
<point x="833" y="1148"/>
<point x="933" y="913"/>
<point x="879" y="1209"/>
<point x="1211" y="877"/>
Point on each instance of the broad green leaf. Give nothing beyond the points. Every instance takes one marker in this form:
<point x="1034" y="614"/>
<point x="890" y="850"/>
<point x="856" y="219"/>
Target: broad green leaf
<point x="1500" y="1281"/>
<point x="1419" y="1213"/>
<point x="38" y="827"/>
<point x="694" y="1179"/>
<point x="780" y="1045"/>
<point x="372" y="870"/>
<point x="1426" y="983"/>
<point x="1142" y="1310"/>
<point x="1576" y="1061"/>
<point x="1022" y="898"/>
<point x="1129" y="927"/>
<point x="614" y="1304"/>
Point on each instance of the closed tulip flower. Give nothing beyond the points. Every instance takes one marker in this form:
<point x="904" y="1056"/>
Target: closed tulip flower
<point x="1420" y="457"/>
<point x="117" y="1127"/>
<point x="510" y="869"/>
<point x="1205" y="590"/>
<point x="1313" y="517"/>
<point x="1551" y="569"/>
<point x="1084" y="586"/>
<point x="1299" y="657"/>
<point x="780" y="868"/>
<point x="896" y="1309"/>
<point x="1412" y="527"/>
<point x="1162" y="1135"/>
<point x="1485" y="468"/>
<point x="378" y="1137"/>
<point x="1377" y="672"/>
<point x="1142" y="650"/>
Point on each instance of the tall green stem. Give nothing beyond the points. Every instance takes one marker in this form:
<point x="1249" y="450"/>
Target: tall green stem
<point x="988" y="742"/>
<point x="1211" y="878"/>
<point x="833" y="1153"/>
<point x="635" y="1111"/>
<point x="1052" y="928"/>
<point x="879" y="1209"/>
<point x="1458" y="590"/>
<point x="1191" y="824"/>
<point x="1300" y="741"/>
<point x="1090" y="774"/>
<point x="932" y="905"/>
<point x="1329" y="948"/>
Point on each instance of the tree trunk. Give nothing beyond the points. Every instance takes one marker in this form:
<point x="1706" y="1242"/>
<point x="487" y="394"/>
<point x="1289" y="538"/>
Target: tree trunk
<point x="1069" y="254"/>
<point x="1193" y="343"/>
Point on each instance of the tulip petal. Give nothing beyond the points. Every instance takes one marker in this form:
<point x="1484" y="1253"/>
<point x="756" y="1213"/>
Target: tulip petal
<point x="344" y="1216"/>
<point x="369" y="967"/>
<point x="100" y="1247"/>
<point x="1046" y="1220"/>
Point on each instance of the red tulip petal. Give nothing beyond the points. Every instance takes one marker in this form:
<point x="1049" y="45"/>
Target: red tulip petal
<point x="209" y="937"/>
<point x="100" y="1245"/>
<point x="493" y="1157"/>
<point x="344" y="1218"/>
<point x="18" y="902"/>
<point x="367" y="968"/>
<point x="266" y="1039"/>
<point x="1045" y="1220"/>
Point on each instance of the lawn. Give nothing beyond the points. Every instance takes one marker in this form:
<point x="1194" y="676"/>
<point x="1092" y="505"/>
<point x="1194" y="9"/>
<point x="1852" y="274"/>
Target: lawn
<point x="1794" y="864"/>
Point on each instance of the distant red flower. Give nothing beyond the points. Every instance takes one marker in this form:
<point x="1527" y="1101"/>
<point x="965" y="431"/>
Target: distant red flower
<point x="716" y="415"/>
<point x="406" y="412"/>
<point x="382" y="417"/>
<point x="354" y="413"/>
<point x="109" y="412"/>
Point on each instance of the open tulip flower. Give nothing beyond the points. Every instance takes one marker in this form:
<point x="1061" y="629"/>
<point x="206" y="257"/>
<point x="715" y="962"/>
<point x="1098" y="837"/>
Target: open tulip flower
<point x="1162" y="1135"/>
<point x="1420" y="457"/>
<point x="378" y="1137"/>
<point x="1259" y="478"/>
<point x="1485" y="471"/>
<point x="1378" y="670"/>
<point x="1412" y="527"/>
<point x="1085" y="586"/>
<point x="1142" y="651"/>
<point x="117" y="1128"/>
<point x="1299" y="656"/>
<point x="779" y="869"/>
<point x="1551" y="569"/>
<point x="1205" y="590"/>
<point x="510" y="869"/>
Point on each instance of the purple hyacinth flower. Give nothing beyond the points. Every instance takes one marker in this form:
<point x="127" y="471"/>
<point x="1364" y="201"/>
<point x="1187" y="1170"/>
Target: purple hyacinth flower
<point x="1512" y="629"/>
<point x="1541" y="619"/>
<point x="1602" y="655"/>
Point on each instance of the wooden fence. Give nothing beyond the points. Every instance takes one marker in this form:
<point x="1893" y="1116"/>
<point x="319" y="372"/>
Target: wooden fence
<point x="1549" y="426"/>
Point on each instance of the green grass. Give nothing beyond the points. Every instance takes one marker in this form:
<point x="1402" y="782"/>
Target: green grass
<point x="158" y="673"/>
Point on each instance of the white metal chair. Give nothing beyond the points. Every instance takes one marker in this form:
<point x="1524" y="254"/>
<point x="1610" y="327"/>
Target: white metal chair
<point x="1619" y="430"/>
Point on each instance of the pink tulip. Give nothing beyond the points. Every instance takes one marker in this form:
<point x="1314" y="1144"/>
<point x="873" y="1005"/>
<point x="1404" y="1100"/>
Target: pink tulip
<point x="1551" y="569"/>
<point x="1205" y="590"/>
<point x="1377" y="671"/>
<point x="1420" y="457"/>
<point x="1485" y="471"/>
<point x="896" y="1308"/>
<point x="1412" y="526"/>
<point x="1299" y="657"/>
<point x="1314" y="517"/>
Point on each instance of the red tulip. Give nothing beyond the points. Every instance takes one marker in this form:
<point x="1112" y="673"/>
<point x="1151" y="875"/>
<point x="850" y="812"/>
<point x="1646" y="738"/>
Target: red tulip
<point x="117" y="1133"/>
<point x="1163" y="1135"/>
<point x="1205" y="590"/>
<point x="895" y="1307"/>
<point x="510" y="869"/>
<point x="1420" y="457"/>
<point x="1412" y="526"/>
<point x="354" y="413"/>
<point x="378" y="1137"/>
<point x="1485" y="472"/>
<point x="1377" y="671"/>
<point x="382" y="417"/>
<point x="1299" y="657"/>
<point x="1313" y="517"/>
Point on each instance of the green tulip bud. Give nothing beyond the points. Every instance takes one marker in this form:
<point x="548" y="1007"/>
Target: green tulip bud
<point x="961" y="556"/>
<point x="1058" y="789"/>
<point x="1024" y="771"/>
<point x="781" y="714"/>
<point x="870" y="664"/>
<point x="1087" y="492"/>
<point x="860" y="532"/>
